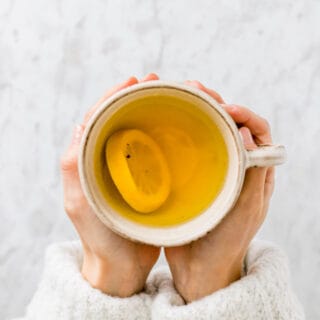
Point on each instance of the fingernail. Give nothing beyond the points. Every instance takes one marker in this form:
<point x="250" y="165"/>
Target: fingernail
<point x="77" y="133"/>
<point x="132" y="78"/>
<point x="152" y="74"/>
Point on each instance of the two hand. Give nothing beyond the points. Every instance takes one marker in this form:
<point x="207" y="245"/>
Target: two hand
<point x="120" y="267"/>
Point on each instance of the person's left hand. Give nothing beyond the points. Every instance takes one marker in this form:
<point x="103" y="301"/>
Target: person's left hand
<point x="214" y="261"/>
<point x="114" y="265"/>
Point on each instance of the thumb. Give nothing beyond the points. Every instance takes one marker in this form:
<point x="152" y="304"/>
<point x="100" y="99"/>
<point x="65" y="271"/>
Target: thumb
<point x="72" y="191"/>
<point x="69" y="161"/>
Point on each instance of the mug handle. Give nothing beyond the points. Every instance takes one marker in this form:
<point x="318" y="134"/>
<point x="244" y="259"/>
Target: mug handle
<point x="266" y="156"/>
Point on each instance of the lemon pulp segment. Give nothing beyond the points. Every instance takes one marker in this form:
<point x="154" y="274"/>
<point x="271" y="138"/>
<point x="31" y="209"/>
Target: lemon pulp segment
<point x="139" y="169"/>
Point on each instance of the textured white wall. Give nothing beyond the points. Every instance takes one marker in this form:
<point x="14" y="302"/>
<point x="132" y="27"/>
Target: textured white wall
<point x="57" y="57"/>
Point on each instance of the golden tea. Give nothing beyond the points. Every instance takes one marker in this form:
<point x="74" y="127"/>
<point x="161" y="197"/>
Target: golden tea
<point x="194" y="149"/>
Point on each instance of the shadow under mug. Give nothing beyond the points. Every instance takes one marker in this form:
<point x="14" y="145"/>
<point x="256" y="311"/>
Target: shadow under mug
<point x="239" y="160"/>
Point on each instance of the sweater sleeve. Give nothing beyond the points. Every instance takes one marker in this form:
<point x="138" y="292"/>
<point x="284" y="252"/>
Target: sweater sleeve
<point x="264" y="292"/>
<point x="64" y="294"/>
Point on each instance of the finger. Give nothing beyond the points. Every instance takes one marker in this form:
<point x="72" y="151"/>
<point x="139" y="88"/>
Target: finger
<point x="268" y="189"/>
<point x="269" y="183"/>
<point x="259" y="183"/>
<point x="252" y="193"/>
<point x="254" y="184"/>
<point x="69" y="161"/>
<point x="69" y="170"/>
<point x="247" y="138"/>
<point x="149" y="77"/>
<point x="131" y="81"/>
<point x="258" y="126"/>
<point x="210" y="92"/>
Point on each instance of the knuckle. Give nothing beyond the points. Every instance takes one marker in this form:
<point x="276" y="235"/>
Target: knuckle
<point x="219" y="97"/>
<point x="68" y="163"/>
<point x="74" y="205"/>
<point x="265" y="124"/>
<point x="71" y="209"/>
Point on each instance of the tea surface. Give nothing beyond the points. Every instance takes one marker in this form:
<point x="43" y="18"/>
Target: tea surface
<point x="193" y="146"/>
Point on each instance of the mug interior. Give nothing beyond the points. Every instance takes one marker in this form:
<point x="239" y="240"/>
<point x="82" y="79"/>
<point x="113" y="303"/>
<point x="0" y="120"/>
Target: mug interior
<point x="190" y="229"/>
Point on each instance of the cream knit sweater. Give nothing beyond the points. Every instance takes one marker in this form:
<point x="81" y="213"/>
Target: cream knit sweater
<point x="262" y="293"/>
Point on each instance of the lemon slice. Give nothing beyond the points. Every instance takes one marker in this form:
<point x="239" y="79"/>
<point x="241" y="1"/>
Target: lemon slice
<point x="139" y="169"/>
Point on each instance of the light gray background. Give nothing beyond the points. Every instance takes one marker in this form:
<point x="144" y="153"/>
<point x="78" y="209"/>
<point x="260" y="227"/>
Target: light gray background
<point x="58" y="57"/>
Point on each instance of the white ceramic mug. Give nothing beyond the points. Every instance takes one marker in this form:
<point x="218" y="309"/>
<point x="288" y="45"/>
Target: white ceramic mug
<point x="239" y="160"/>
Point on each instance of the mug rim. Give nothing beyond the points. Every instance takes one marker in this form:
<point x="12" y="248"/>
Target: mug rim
<point x="171" y="240"/>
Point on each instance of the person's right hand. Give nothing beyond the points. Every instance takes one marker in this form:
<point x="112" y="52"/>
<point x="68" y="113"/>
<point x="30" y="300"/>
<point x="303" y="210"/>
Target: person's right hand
<point x="215" y="260"/>
<point x="114" y="265"/>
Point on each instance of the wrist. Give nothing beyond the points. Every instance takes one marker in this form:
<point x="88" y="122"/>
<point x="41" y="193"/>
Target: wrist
<point x="196" y="285"/>
<point x="120" y="281"/>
